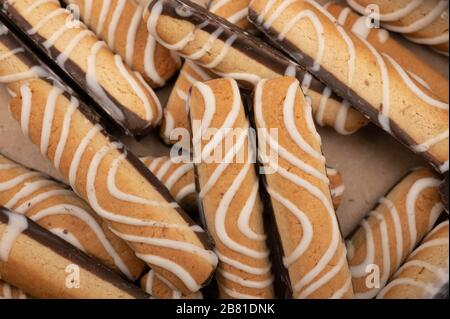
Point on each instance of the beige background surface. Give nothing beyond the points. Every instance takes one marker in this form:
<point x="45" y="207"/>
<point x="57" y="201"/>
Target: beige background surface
<point x="371" y="161"/>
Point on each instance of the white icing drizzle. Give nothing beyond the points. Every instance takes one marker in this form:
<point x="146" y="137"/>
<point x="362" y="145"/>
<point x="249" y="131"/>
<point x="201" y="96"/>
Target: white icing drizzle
<point x="421" y="23"/>
<point x="55" y="13"/>
<point x="91" y="80"/>
<point x="38" y="3"/>
<point x="74" y="104"/>
<point x="47" y="120"/>
<point x="223" y="207"/>
<point x="16" y="225"/>
<point x="26" y="190"/>
<point x="414" y="88"/>
<point x="440" y="273"/>
<point x="117" y="14"/>
<point x="172" y="267"/>
<point x="25" y="93"/>
<point x="135" y="86"/>
<point x="307" y="228"/>
<point x="33" y="72"/>
<point x="74" y="43"/>
<point x="102" y="17"/>
<point x="11" y="53"/>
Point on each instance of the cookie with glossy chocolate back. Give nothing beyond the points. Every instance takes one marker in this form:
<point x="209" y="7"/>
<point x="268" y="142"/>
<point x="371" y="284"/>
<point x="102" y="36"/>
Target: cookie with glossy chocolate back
<point x="9" y="292"/>
<point x="215" y="44"/>
<point x="420" y="21"/>
<point x="425" y="271"/>
<point x="176" y="116"/>
<point x="45" y="266"/>
<point x="120" y="24"/>
<point x="372" y="82"/>
<point x="297" y="182"/>
<point x="229" y="189"/>
<point x="390" y="232"/>
<point x="235" y="11"/>
<point x="118" y="187"/>
<point x="56" y="208"/>
<point x="121" y="92"/>
<point x="154" y="285"/>
<point x="381" y="39"/>
<point x="178" y="176"/>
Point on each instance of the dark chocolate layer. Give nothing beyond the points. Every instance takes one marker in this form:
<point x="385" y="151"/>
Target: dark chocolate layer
<point x="73" y="75"/>
<point x="67" y="251"/>
<point x="340" y="88"/>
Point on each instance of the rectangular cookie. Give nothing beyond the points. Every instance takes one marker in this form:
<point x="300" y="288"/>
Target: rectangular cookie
<point x="296" y="181"/>
<point x="229" y="190"/>
<point x="216" y="44"/>
<point x="45" y="266"/>
<point x="383" y="91"/>
<point x="94" y="71"/>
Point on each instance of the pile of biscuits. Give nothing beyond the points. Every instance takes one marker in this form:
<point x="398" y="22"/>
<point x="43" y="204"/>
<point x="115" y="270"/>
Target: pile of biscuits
<point x="245" y="206"/>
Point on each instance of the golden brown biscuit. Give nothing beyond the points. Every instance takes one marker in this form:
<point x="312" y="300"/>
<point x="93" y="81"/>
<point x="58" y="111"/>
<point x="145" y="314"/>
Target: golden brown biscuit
<point x="391" y="232"/>
<point x="154" y="285"/>
<point x="372" y="82"/>
<point x="119" y="188"/>
<point x="45" y="266"/>
<point x="120" y="24"/>
<point x="9" y="292"/>
<point x="122" y="93"/>
<point x="56" y="208"/>
<point x="380" y="38"/>
<point x="218" y="45"/>
<point x="229" y="189"/>
<point x="296" y="180"/>
<point x="424" y="272"/>
<point x="177" y="174"/>
<point x="176" y="112"/>
<point x="423" y="22"/>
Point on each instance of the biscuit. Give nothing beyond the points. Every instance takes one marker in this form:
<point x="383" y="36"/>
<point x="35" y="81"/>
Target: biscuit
<point x="384" y="91"/>
<point x="57" y="209"/>
<point x="215" y="44"/>
<point x="120" y="24"/>
<point x="176" y="112"/>
<point x="391" y="232"/>
<point x="45" y="266"/>
<point x="422" y="22"/>
<point x="9" y="292"/>
<point x="229" y="190"/>
<point x="381" y="40"/>
<point x="154" y="285"/>
<point x="120" y="92"/>
<point x="120" y="189"/>
<point x="178" y="176"/>
<point x="337" y="186"/>
<point x="424" y="272"/>
<point x="298" y="186"/>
